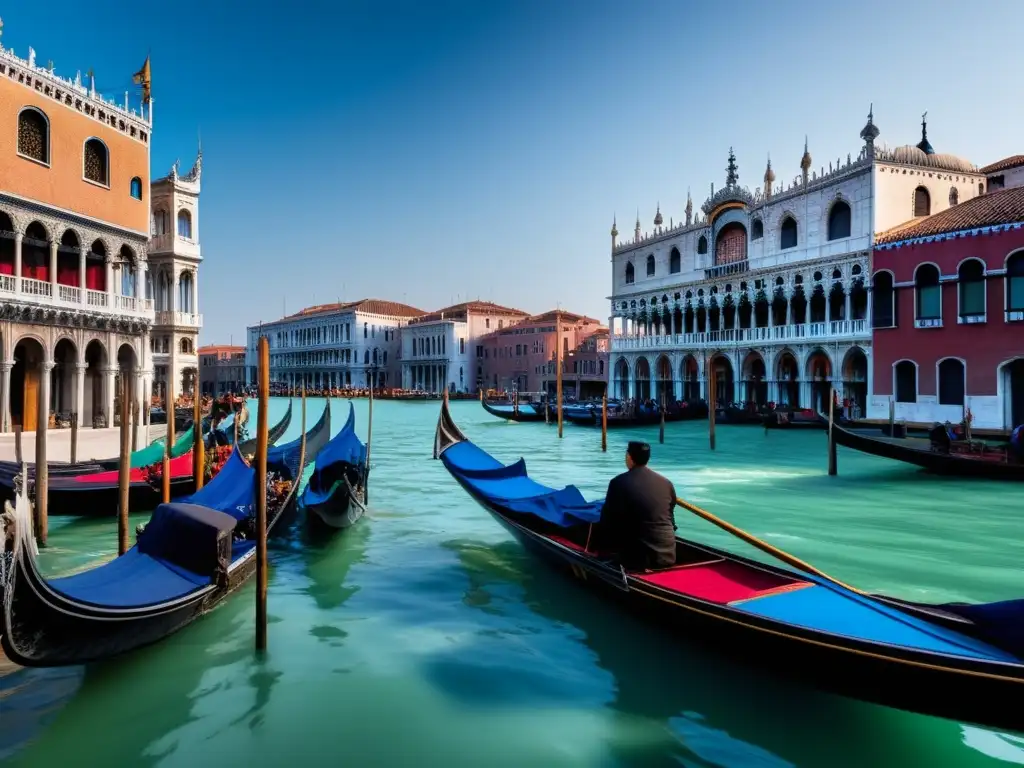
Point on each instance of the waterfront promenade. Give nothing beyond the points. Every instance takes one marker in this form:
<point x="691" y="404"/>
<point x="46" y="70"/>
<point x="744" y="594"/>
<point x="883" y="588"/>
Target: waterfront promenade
<point x="92" y="443"/>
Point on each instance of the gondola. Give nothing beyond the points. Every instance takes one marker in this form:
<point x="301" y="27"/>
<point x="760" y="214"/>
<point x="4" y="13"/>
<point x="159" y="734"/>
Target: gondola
<point x="937" y="454"/>
<point x="643" y="417"/>
<point x="514" y="411"/>
<point x="191" y="555"/>
<point x="732" y="414"/>
<point x="800" y="623"/>
<point x="334" y="497"/>
<point x="92" y="494"/>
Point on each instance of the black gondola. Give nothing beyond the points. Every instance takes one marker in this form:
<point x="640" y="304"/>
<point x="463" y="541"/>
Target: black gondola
<point x="514" y="411"/>
<point x="734" y="414"/>
<point x="189" y="557"/>
<point x="92" y="494"/>
<point x="689" y="410"/>
<point x="938" y="453"/>
<point x="334" y="496"/>
<point x="800" y="623"/>
<point x="780" y="419"/>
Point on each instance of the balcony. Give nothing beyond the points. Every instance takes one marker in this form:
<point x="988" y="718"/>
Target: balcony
<point x="178" y="319"/>
<point x="832" y="330"/>
<point x="41" y="292"/>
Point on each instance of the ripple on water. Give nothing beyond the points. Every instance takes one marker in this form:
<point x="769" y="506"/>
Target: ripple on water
<point x="426" y="636"/>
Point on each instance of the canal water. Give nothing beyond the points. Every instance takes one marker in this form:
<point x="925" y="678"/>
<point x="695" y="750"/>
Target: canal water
<point x="426" y="636"/>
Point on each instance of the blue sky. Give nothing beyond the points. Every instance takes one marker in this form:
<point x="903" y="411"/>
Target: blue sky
<point x="428" y="153"/>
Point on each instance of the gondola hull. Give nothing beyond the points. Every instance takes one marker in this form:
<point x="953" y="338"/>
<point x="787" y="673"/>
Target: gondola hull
<point x="341" y="510"/>
<point x="334" y="498"/>
<point x="524" y="412"/>
<point x="793" y="623"/>
<point x="693" y="411"/>
<point x="783" y="420"/>
<point x="917" y="452"/>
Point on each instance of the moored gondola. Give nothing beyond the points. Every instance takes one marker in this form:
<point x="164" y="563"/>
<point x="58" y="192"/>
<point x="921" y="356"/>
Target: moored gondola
<point x="800" y="419"/>
<point x="334" y="497"/>
<point x="800" y="621"/>
<point x="642" y="416"/>
<point x="514" y="411"/>
<point x="939" y="453"/>
<point x="191" y="555"/>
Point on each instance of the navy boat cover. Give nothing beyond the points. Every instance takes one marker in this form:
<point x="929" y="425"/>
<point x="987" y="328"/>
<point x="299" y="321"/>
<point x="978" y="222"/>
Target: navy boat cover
<point x="233" y="490"/>
<point x="189" y="536"/>
<point x="510" y="488"/>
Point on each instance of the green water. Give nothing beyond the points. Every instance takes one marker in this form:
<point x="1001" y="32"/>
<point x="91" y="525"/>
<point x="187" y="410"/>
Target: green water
<point x="426" y="636"/>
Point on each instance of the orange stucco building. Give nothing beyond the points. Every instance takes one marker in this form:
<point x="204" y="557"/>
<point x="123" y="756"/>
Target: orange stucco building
<point x="74" y="232"/>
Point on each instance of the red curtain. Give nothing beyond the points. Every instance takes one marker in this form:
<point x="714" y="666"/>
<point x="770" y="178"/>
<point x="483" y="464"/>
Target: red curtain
<point x="67" y="269"/>
<point x="95" y="275"/>
<point x="34" y="265"/>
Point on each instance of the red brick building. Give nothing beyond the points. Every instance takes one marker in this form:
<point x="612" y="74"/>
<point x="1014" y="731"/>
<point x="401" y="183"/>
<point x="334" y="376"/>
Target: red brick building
<point x="522" y="356"/>
<point x="948" y="314"/>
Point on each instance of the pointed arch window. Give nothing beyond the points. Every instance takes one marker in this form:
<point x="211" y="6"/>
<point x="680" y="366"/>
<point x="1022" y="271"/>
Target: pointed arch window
<point x="702" y="245"/>
<point x="757" y="230"/>
<point x="839" y="221"/>
<point x="954" y="196"/>
<point x="675" y="262"/>
<point x="788" y="235"/>
<point x="650" y="265"/>
<point x="630" y="278"/>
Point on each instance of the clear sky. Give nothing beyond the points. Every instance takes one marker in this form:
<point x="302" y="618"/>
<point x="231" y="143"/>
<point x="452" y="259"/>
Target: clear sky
<point x="430" y="152"/>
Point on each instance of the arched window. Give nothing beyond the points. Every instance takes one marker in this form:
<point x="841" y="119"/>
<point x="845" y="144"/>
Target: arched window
<point x="366" y="357"/>
<point x="650" y="265"/>
<point x="185" y="293"/>
<point x="366" y="330"/>
<point x="96" y="162"/>
<point x="184" y="224"/>
<point x="630" y="278"/>
<point x="981" y="187"/>
<point x="922" y="202"/>
<point x="702" y="245"/>
<point x="906" y="382"/>
<point x="757" y="230"/>
<point x="929" y="296"/>
<point x="954" y="196"/>
<point x="839" y="221"/>
<point x="1015" y="285"/>
<point x="34" y="135"/>
<point x="185" y="346"/>
<point x="788" y="233"/>
<point x="971" y="286"/>
<point x="952" y="382"/>
<point x="136" y="188"/>
<point x="675" y="264"/>
<point x="884" y="301"/>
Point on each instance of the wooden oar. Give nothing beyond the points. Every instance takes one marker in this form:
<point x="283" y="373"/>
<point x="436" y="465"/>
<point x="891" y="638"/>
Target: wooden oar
<point x="764" y="546"/>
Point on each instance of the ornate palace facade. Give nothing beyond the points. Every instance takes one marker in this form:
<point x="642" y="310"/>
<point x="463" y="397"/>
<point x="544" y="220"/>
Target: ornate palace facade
<point x="74" y="175"/>
<point x="771" y="287"/>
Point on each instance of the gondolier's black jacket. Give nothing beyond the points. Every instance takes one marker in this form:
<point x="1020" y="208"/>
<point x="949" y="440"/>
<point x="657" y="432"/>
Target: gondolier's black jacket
<point x="637" y="521"/>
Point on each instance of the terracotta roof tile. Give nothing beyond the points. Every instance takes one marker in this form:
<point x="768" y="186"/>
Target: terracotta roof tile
<point x="1013" y="161"/>
<point x="456" y="311"/>
<point x="213" y="349"/>
<point x="1005" y="206"/>
<point x="371" y="306"/>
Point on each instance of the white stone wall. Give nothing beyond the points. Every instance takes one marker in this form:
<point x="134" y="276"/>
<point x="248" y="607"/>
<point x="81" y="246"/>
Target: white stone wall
<point x="895" y="185"/>
<point x="454" y="357"/>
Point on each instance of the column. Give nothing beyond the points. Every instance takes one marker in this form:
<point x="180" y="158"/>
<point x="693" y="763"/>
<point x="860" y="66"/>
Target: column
<point x="81" y="276"/>
<point x="807" y="311"/>
<point x="53" y="268"/>
<point x="46" y="371"/>
<point x="869" y="318"/>
<point x="108" y="398"/>
<point x="789" y="310"/>
<point x="110" y="284"/>
<point x="175" y="289"/>
<point x="849" y="304"/>
<point x="5" y="396"/>
<point x="828" y="309"/>
<point x="195" y="293"/>
<point x="141" y="282"/>
<point x="80" y="369"/>
<point x="18" y="237"/>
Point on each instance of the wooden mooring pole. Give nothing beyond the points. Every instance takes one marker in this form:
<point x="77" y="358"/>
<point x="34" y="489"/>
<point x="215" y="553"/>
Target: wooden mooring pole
<point x="712" y="404"/>
<point x="604" y="422"/>
<point x="661" y="430"/>
<point x="261" y="494"/>
<point x="73" y="458"/>
<point x="17" y="444"/>
<point x="170" y="410"/>
<point x="123" y="470"/>
<point x="558" y="370"/>
<point x="135" y="425"/>
<point x="892" y="418"/>
<point x="42" y="472"/>
<point x="369" y="441"/>
<point x="832" y="468"/>
<point x="198" y="446"/>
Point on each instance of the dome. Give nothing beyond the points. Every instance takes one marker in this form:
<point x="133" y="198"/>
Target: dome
<point x="910" y="155"/>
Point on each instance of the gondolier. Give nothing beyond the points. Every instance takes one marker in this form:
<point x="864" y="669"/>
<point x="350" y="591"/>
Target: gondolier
<point x="637" y="520"/>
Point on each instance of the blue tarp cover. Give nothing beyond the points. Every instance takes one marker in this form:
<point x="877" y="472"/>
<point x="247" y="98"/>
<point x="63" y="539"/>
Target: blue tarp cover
<point x="233" y="490"/>
<point x="344" y="448"/>
<point x="511" y="488"/>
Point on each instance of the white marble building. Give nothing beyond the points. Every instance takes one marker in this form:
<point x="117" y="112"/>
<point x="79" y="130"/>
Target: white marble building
<point x="442" y="349"/>
<point x="173" y="280"/>
<point x="334" y="345"/>
<point x="771" y="286"/>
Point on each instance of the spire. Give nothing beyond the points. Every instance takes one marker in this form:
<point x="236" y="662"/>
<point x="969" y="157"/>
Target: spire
<point x="732" y="175"/>
<point x="615" y="229"/>
<point x="805" y="161"/>
<point x="689" y="208"/>
<point x="769" y="174"/>
<point x="636" y="231"/>
<point x="658" y="217"/>
<point x="924" y="145"/>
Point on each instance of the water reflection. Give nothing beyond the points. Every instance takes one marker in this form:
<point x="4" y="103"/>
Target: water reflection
<point x="685" y="706"/>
